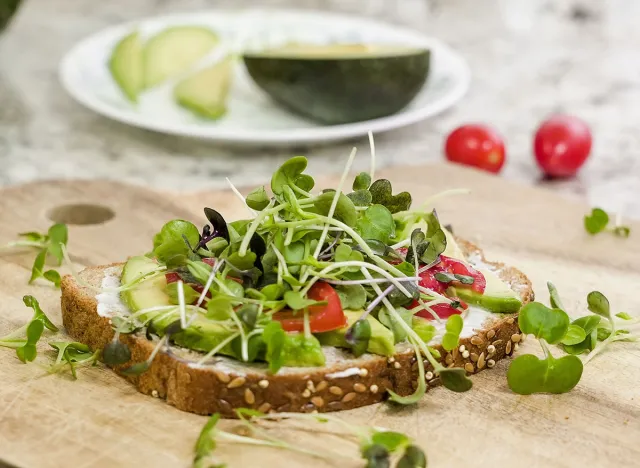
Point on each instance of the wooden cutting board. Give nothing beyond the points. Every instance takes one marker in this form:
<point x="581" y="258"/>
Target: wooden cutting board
<point x="100" y="420"/>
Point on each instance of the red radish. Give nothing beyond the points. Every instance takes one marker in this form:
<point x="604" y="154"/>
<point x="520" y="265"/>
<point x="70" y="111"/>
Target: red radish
<point x="476" y="145"/>
<point x="562" y="144"/>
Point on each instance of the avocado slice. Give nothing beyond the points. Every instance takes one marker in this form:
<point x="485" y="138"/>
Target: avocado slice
<point x="381" y="341"/>
<point x="201" y="335"/>
<point x="300" y="351"/>
<point x="424" y="328"/>
<point x="205" y="92"/>
<point x="174" y="50"/>
<point x="340" y="83"/>
<point x="125" y="65"/>
<point x="149" y="293"/>
<point x="497" y="297"/>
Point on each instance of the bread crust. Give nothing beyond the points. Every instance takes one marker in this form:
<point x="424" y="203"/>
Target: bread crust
<point x="343" y="384"/>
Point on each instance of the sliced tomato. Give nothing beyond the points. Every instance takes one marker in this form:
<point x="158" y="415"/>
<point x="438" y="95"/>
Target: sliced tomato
<point x="453" y="266"/>
<point x="457" y="267"/>
<point x="172" y="277"/>
<point x="403" y="252"/>
<point x="321" y="318"/>
<point x="448" y="265"/>
<point x="429" y="281"/>
<point x="209" y="261"/>
<point x="442" y="310"/>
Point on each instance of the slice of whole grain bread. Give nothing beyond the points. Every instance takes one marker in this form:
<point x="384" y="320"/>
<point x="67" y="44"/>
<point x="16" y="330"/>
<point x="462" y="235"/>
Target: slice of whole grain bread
<point x="345" y="382"/>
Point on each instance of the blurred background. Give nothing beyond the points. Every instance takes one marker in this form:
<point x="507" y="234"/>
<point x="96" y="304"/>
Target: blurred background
<point x="529" y="59"/>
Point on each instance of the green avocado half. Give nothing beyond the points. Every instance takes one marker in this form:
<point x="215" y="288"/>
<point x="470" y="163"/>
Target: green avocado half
<point x="340" y="83"/>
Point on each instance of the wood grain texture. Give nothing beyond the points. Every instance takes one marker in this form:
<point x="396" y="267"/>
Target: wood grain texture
<point x="100" y="420"/>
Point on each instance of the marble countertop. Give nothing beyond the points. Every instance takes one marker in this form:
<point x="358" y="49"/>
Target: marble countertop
<point x="529" y="58"/>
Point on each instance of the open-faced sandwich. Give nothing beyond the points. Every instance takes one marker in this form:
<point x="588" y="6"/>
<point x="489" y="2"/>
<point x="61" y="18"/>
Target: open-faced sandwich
<point x="322" y="301"/>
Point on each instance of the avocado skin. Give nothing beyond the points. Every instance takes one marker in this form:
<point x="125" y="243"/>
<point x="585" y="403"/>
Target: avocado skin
<point x="498" y="304"/>
<point x="341" y="90"/>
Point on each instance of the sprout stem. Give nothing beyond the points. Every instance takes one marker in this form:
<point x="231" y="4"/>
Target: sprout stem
<point x="372" y="147"/>
<point x="437" y="367"/>
<point x="253" y="227"/>
<point x="239" y="195"/>
<point x="24" y="243"/>
<point x="332" y="210"/>
<point x="355" y="263"/>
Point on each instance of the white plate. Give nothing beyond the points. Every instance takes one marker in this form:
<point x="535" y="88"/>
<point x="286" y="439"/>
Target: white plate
<point x="252" y="118"/>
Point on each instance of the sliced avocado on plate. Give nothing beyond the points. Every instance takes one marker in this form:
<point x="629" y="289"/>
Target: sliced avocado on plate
<point x="340" y="83"/>
<point x="125" y="65"/>
<point x="205" y="92"/>
<point x="174" y="50"/>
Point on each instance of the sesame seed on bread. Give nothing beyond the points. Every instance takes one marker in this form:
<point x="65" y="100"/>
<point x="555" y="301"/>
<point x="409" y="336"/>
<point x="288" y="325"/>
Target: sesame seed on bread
<point x="345" y="382"/>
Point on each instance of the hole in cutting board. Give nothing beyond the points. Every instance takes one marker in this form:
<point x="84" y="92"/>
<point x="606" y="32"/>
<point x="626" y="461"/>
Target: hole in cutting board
<point x="81" y="214"/>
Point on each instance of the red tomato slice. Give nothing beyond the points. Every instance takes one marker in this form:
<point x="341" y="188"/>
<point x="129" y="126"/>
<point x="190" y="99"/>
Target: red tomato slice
<point x="209" y="261"/>
<point x="457" y="267"/>
<point x="442" y="310"/>
<point x="428" y="280"/>
<point x="451" y="265"/>
<point x="448" y="265"/>
<point x="172" y="277"/>
<point x="321" y="318"/>
<point x="403" y="252"/>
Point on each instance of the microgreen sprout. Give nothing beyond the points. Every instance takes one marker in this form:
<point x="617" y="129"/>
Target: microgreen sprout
<point x="454" y="379"/>
<point x="453" y="328"/>
<point x="589" y="334"/>
<point x="334" y="203"/>
<point x="598" y="221"/>
<point x="25" y="338"/>
<point x="73" y="355"/>
<point x="142" y="367"/>
<point x="372" y="149"/>
<point x="593" y="333"/>
<point x="375" y="446"/>
<point x="47" y="245"/>
<point x="115" y="352"/>
<point x="614" y="330"/>
<point x="358" y="336"/>
<point x="240" y="197"/>
<point x="528" y="374"/>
